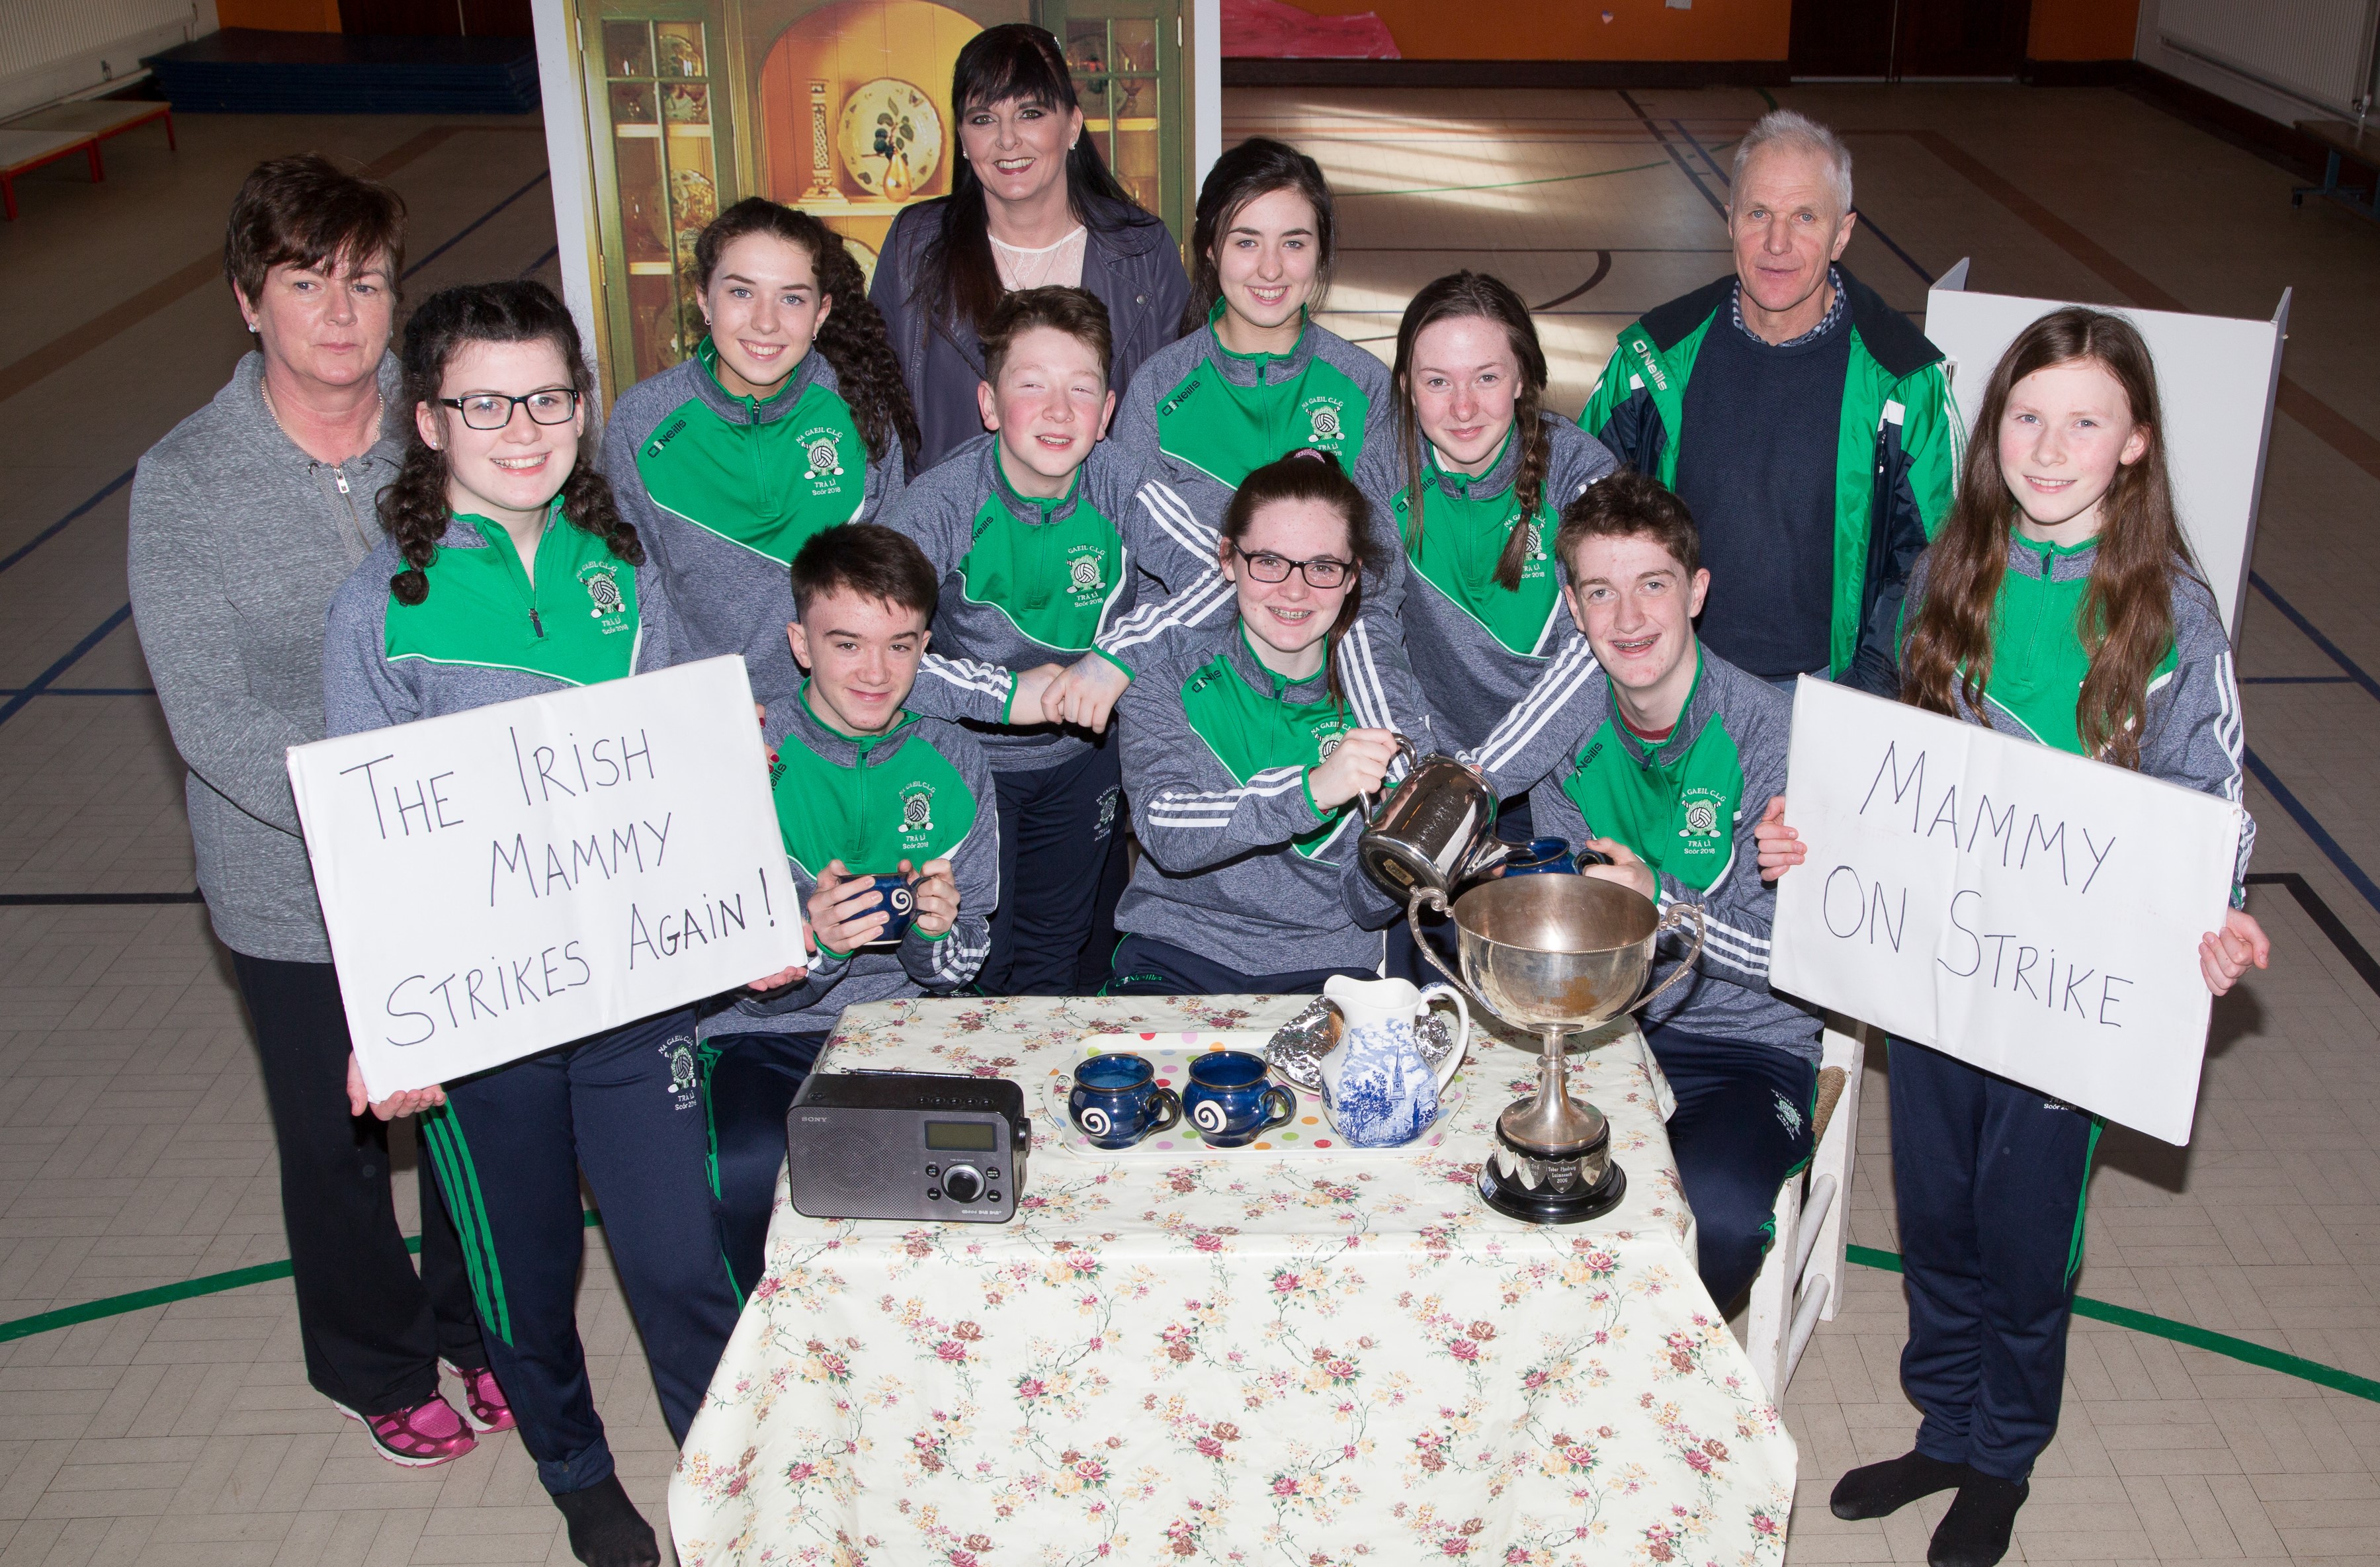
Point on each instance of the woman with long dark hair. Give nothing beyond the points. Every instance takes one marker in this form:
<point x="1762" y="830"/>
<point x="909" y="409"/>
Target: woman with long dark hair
<point x="1031" y="204"/>
<point x="509" y="571"/>
<point x="2059" y="603"/>
<point x="1244" y="760"/>
<point x="1255" y="378"/>
<point x="790" y="418"/>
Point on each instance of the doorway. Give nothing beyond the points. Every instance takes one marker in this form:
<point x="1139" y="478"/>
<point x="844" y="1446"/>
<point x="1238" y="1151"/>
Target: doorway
<point x="1903" y="39"/>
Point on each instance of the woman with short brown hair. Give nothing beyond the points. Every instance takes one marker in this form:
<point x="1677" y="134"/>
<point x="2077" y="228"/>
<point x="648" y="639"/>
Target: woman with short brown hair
<point x="244" y="519"/>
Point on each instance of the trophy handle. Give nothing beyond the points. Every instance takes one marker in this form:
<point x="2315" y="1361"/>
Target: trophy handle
<point x="1436" y="900"/>
<point x="1371" y="806"/>
<point x="1679" y="916"/>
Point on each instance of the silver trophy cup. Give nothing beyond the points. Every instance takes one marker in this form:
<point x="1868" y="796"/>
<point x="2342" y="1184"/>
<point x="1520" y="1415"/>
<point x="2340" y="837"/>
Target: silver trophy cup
<point x="1556" y="955"/>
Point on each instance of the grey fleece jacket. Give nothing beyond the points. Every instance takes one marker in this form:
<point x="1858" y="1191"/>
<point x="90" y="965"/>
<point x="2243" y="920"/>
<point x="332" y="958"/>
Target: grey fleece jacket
<point x="1471" y="676"/>
<point x="1561" y="728"/>
<point x="1221" y="872"/>
<point x="2192" y="734"/>
<point x="918" y="964"/>
<point x="1175" y="527"/>
<point x="364" y="688"/>
<point x="724" y="489"/>
<point x="1015" y="574"/>
<point x="238" y="540"/>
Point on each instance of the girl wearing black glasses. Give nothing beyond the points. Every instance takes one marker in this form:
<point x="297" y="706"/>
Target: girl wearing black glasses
<point x="509" y="572"/>
<point x="1244" y="760"/>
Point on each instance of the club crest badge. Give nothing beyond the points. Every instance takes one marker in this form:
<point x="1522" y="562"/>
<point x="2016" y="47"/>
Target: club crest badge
<point x="1322" y="422"/>
<point x="679" y="1053"/>
<point x="601" y="581"/>
<point x="1700" y="812"/>
<point x="1083" y="573"/>
<point x="917" y="810"/>
<point x="824" y="447"/>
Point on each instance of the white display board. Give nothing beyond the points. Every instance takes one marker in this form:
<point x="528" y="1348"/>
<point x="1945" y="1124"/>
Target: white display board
<point x="500" y="881"/>
<point x="2216" y="377"/>
<point x="2030" y="912"/>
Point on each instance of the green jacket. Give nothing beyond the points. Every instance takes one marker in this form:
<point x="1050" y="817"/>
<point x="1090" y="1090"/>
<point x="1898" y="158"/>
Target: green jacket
<point x="1895" y="468"/>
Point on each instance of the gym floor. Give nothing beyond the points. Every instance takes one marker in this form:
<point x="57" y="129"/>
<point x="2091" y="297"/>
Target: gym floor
<point x="2223" y="1397"/>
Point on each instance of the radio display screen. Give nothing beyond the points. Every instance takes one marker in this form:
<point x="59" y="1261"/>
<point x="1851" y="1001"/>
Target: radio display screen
<point x="960" y="1137"/>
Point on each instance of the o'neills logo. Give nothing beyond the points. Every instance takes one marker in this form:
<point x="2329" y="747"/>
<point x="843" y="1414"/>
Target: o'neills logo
<point x="1651" y="361"/>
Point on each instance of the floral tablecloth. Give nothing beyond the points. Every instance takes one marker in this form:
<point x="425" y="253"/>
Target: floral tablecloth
<point x="1333" y="1361"/>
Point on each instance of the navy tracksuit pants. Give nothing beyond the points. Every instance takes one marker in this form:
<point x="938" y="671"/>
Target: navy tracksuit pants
<point x="1057" y="829"/>
<point x="1145" y="966"/>
<point x="1742" y="1126"/>
<point x="1989" y="1177"/>
<point x="627" y="1108"/>
<point x="750" y="1081"/>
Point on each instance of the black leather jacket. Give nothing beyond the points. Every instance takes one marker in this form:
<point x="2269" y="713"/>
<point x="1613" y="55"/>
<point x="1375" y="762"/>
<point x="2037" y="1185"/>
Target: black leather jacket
<point x="1129" y="260"/>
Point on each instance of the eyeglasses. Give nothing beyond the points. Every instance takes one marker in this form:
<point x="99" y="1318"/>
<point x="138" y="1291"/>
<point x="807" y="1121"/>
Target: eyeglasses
<point x="1320" y="572"/>
<point x="493" y="410"/>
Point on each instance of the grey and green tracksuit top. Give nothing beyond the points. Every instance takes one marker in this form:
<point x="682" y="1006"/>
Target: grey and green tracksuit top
<point x="2191" y="733"/>
<point x="1478" y="646"/>
<point x="1196" y="420"/>
<point x="723" y="489"/>
<point x="1024" y="582"/>
<point x="485" y="634"/>
<point x="1238" y="864"/>
<point x="1687" y="805"/>
<point x="921" y="791"/>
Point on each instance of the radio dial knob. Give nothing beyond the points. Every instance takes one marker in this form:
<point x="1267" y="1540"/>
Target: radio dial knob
<point x="962" y="1181"/>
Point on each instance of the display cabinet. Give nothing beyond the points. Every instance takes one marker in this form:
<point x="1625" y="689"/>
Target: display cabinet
<point x="840" y="109"/>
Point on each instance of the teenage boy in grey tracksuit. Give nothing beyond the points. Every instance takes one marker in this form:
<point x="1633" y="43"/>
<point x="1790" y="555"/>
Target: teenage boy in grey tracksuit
<point x="1661" y="753"/>
<point x="1020" y="526"/>
<point x="863" y="789"/>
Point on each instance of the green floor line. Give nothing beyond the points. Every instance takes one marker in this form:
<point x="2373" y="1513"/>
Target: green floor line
<point x="166" y="1294"/>
<point x="2182" y="1334"/>
<point x="1866" y="1256"/>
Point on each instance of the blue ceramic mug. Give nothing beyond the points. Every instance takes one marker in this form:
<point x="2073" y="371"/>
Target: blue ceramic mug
<point x="1117" y="1101"/>
<point x="1541" y="856"/>
<point x="896" y="898"/>
<point x="1231" y="1098"/>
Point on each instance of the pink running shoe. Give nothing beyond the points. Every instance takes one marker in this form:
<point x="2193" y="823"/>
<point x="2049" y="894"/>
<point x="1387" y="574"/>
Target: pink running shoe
<point x="419" y="1437"/>
<point x="484" y="1405"/>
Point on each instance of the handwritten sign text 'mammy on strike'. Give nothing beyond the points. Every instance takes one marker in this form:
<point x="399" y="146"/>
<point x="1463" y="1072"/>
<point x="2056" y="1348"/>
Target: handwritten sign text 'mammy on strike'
<point x="500" y="881"/>
<point x="2029" y="912"/>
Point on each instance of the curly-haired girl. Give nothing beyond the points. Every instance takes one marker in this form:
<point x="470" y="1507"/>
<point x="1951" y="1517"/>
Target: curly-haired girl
<point x="508" y="572"/>
<point x="790" y="418"/>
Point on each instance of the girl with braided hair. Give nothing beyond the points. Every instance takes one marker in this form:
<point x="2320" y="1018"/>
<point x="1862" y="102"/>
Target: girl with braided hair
<point x="509" y="572"/>
<point x="791" y="416"/>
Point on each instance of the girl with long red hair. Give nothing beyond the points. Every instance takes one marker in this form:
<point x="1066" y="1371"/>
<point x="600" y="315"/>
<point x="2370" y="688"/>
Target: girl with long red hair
<point x="2058" y="602"/>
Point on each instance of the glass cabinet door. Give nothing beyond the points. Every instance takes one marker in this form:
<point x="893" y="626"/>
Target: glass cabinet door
<point x="660" y="100"/>
<point x="1126" y="57"/>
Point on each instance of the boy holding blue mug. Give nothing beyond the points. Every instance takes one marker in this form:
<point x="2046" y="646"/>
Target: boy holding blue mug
<point x="1662" y="757"/>
<point x="894" y="844"/>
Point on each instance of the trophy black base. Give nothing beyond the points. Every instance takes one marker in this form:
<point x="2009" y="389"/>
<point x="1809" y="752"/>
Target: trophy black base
<point x="1543" y="1205"/>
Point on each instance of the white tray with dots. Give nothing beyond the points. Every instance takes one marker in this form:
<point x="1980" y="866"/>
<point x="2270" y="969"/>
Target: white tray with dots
<point x="1308" y="1134"/>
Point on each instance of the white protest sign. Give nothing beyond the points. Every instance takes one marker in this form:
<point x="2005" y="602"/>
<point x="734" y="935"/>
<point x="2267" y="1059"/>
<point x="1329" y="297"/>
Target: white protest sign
<point x="2217" y="378"/>
<point x="2025" y="910"/>
<point x="500" y="881"/>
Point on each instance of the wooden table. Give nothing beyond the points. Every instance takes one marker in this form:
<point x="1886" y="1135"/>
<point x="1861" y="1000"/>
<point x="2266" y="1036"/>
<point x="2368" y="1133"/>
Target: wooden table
<point x="60" y="131"/>
<point x="2343" y="142"/>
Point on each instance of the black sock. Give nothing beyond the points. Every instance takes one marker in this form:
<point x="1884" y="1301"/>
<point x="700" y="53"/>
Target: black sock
<point x="1876" y="1490"/>
<point x="606" y="1530"/>
<point x="1975" y="1532"/>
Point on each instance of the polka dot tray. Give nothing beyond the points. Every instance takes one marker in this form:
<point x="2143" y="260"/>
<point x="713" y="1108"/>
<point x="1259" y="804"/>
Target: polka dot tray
<point x="1307" y="1135"/>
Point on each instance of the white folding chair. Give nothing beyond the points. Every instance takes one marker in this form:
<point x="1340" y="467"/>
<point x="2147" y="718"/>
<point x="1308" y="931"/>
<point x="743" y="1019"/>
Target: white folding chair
<point x="1801" y="1281"/>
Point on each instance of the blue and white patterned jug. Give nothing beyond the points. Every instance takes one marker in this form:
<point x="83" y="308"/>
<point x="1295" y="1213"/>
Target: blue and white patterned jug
<point x="1378" y="1089"/>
